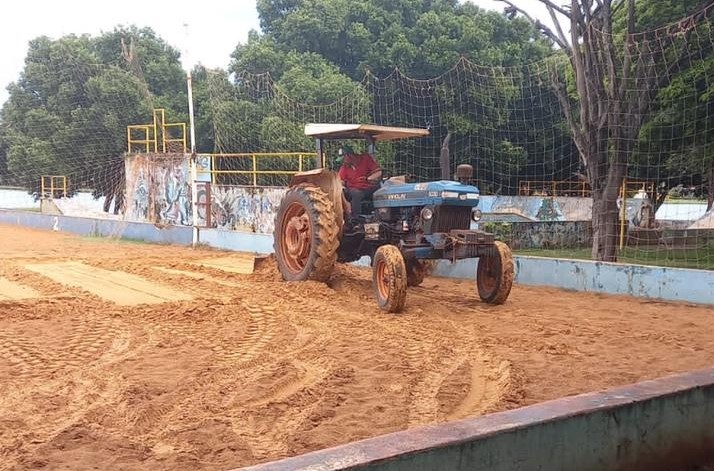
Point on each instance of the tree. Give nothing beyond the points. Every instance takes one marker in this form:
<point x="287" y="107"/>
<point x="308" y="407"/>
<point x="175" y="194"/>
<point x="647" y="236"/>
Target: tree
<point x="615" y="85"/>
<point x="676" y="144"/>
<point x="68" y="111"/>
<point x="423" y="38"/>
<point x="434" y="45"/>
<point x="678" y="138"/>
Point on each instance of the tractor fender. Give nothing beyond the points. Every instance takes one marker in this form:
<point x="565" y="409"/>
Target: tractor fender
<point x="328" y="182"/>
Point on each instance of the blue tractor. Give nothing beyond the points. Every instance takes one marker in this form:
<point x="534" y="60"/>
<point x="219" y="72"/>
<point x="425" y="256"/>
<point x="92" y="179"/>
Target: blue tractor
<point x="403" y="229"/>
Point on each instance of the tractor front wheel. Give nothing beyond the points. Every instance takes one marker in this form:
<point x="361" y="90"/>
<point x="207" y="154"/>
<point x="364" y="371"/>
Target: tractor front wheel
<point x="306" y="235"/>
<point x="494" y="275"/>
<point x="389" y="278"/>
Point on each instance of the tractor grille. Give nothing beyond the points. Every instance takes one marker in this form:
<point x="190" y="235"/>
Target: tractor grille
<point x="447" y="218"/>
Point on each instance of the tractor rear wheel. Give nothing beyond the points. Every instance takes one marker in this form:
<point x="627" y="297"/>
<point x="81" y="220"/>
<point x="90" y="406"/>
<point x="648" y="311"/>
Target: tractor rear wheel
<point x="306" y="235"/>
<point x="494" y="275"/>
<point x="416" y="272"/>
<point x="389" y="278"/>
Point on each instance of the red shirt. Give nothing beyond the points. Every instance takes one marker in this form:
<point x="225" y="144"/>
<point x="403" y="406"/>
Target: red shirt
<point x="355" y="167"/>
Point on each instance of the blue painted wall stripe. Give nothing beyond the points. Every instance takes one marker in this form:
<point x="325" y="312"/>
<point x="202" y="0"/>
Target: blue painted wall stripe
<point x="673" y="284"/>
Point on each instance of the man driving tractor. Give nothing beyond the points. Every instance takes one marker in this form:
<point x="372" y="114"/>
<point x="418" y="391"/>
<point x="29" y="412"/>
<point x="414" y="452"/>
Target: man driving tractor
<point x="360" y="174"/>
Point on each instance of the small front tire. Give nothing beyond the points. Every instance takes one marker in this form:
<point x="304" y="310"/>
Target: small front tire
<point x="494" y="275"/>
<point x="389" y="278"/>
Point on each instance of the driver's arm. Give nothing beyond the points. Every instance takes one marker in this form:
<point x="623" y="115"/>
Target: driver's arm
<point x="375" y="175"/>
<point x="375" y="172"/>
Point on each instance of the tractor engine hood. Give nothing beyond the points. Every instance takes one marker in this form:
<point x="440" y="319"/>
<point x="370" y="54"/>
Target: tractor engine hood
<point x="443" y="192"/>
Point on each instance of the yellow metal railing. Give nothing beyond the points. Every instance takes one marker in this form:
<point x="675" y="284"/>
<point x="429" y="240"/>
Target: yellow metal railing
<point x="251" y="164"/>
<point x="51" y="184"/>
<point x="148" y="135"/>
<point x="554" y="188"/>
<point x="167" y="141"/>
<point x="576" y="187"/>
<point x="146" y="140"/>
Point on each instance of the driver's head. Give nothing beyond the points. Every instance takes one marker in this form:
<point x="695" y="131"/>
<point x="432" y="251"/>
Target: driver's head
<point x="348" y="150"/>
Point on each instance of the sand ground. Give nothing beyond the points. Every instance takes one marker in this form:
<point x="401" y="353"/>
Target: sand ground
<point x="130" y="356"/>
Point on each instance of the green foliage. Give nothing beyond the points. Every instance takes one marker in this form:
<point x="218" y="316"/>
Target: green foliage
<point x="502" y="231"/>
<point x="285" y="135"/>
<point x="317" y="50"/>
<point x="68" y="111"/>
<point x="676" y="144"/>
<point x="422" y="38"/>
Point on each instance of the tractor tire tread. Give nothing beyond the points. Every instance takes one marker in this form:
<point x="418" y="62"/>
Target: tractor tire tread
<point x="322" y="218"/>
<point x="506" y="276"/>
<point x="396" y="298"/>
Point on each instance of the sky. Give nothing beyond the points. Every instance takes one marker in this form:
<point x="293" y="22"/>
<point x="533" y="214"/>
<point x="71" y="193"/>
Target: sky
<point x="206" y="31"/>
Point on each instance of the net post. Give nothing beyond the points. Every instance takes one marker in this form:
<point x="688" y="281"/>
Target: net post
<point x="192" y="161"/>
<point x="623" y="213"/>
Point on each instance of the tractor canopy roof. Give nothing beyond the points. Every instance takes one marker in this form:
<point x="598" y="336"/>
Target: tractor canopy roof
<point x="361" y="131"/>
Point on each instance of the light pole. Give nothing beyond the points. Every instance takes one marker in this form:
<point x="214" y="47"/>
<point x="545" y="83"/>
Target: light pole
<point x="192" y="158"/>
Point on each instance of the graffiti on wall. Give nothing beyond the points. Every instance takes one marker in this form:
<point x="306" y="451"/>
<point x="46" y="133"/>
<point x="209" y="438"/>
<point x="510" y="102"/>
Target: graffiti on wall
<point x="158" y="189"/>
<point x="549" y="235"/>
<point x="239" y="208"/>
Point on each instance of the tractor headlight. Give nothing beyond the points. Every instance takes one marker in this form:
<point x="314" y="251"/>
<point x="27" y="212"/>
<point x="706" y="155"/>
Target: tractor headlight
<point x="476" y="215"/>
<point x="427" y="214"/>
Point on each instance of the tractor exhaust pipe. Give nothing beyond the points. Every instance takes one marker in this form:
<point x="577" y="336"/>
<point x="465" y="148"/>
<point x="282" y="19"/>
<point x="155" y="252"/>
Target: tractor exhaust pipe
<point x="444" y="160"/>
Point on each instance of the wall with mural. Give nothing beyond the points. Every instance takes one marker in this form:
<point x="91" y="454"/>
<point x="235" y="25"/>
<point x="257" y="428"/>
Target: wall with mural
<point x="158" y="189"/>
<point x="542" y="234"/>
<point x="239" y="208"/>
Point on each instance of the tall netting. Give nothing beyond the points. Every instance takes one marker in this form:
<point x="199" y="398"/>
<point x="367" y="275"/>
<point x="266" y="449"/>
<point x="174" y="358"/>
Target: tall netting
<point x="509" y="124"/>
<point x="64" y="130"/>
<point x="505" y="122"/>
<point x="68" y="115"/>
<point x="66" y="139"/>
<point x="259" y="129"/>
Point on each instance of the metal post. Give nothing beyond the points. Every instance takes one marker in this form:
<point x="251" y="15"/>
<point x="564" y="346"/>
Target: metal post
<point x="192" y="160"/>
<point x="623" y="216"/>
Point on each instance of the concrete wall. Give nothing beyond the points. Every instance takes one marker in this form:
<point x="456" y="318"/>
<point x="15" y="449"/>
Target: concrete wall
<point x="674" y="284"/>
<point x="542" y="234"/>
<point x="539" y="208"/>
<point x="240" y="208"/>
<point x="158" y="189"/>
<point x="99" y="227"/>
<point x="665" y="424"/>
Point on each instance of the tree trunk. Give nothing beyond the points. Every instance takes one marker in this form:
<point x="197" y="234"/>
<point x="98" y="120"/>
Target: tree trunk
<point x="606" y="227"/>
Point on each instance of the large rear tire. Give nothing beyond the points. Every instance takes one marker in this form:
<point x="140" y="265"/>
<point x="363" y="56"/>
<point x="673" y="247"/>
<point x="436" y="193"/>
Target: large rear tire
<point x="306" y="234"/>
<point x="389" y="278"/>
<point x="494" y="275"/>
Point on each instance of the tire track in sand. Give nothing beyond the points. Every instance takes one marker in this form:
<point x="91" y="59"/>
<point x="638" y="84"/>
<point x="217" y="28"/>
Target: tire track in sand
<point x="23" y="354"/>
<point x="485" y="391"/>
